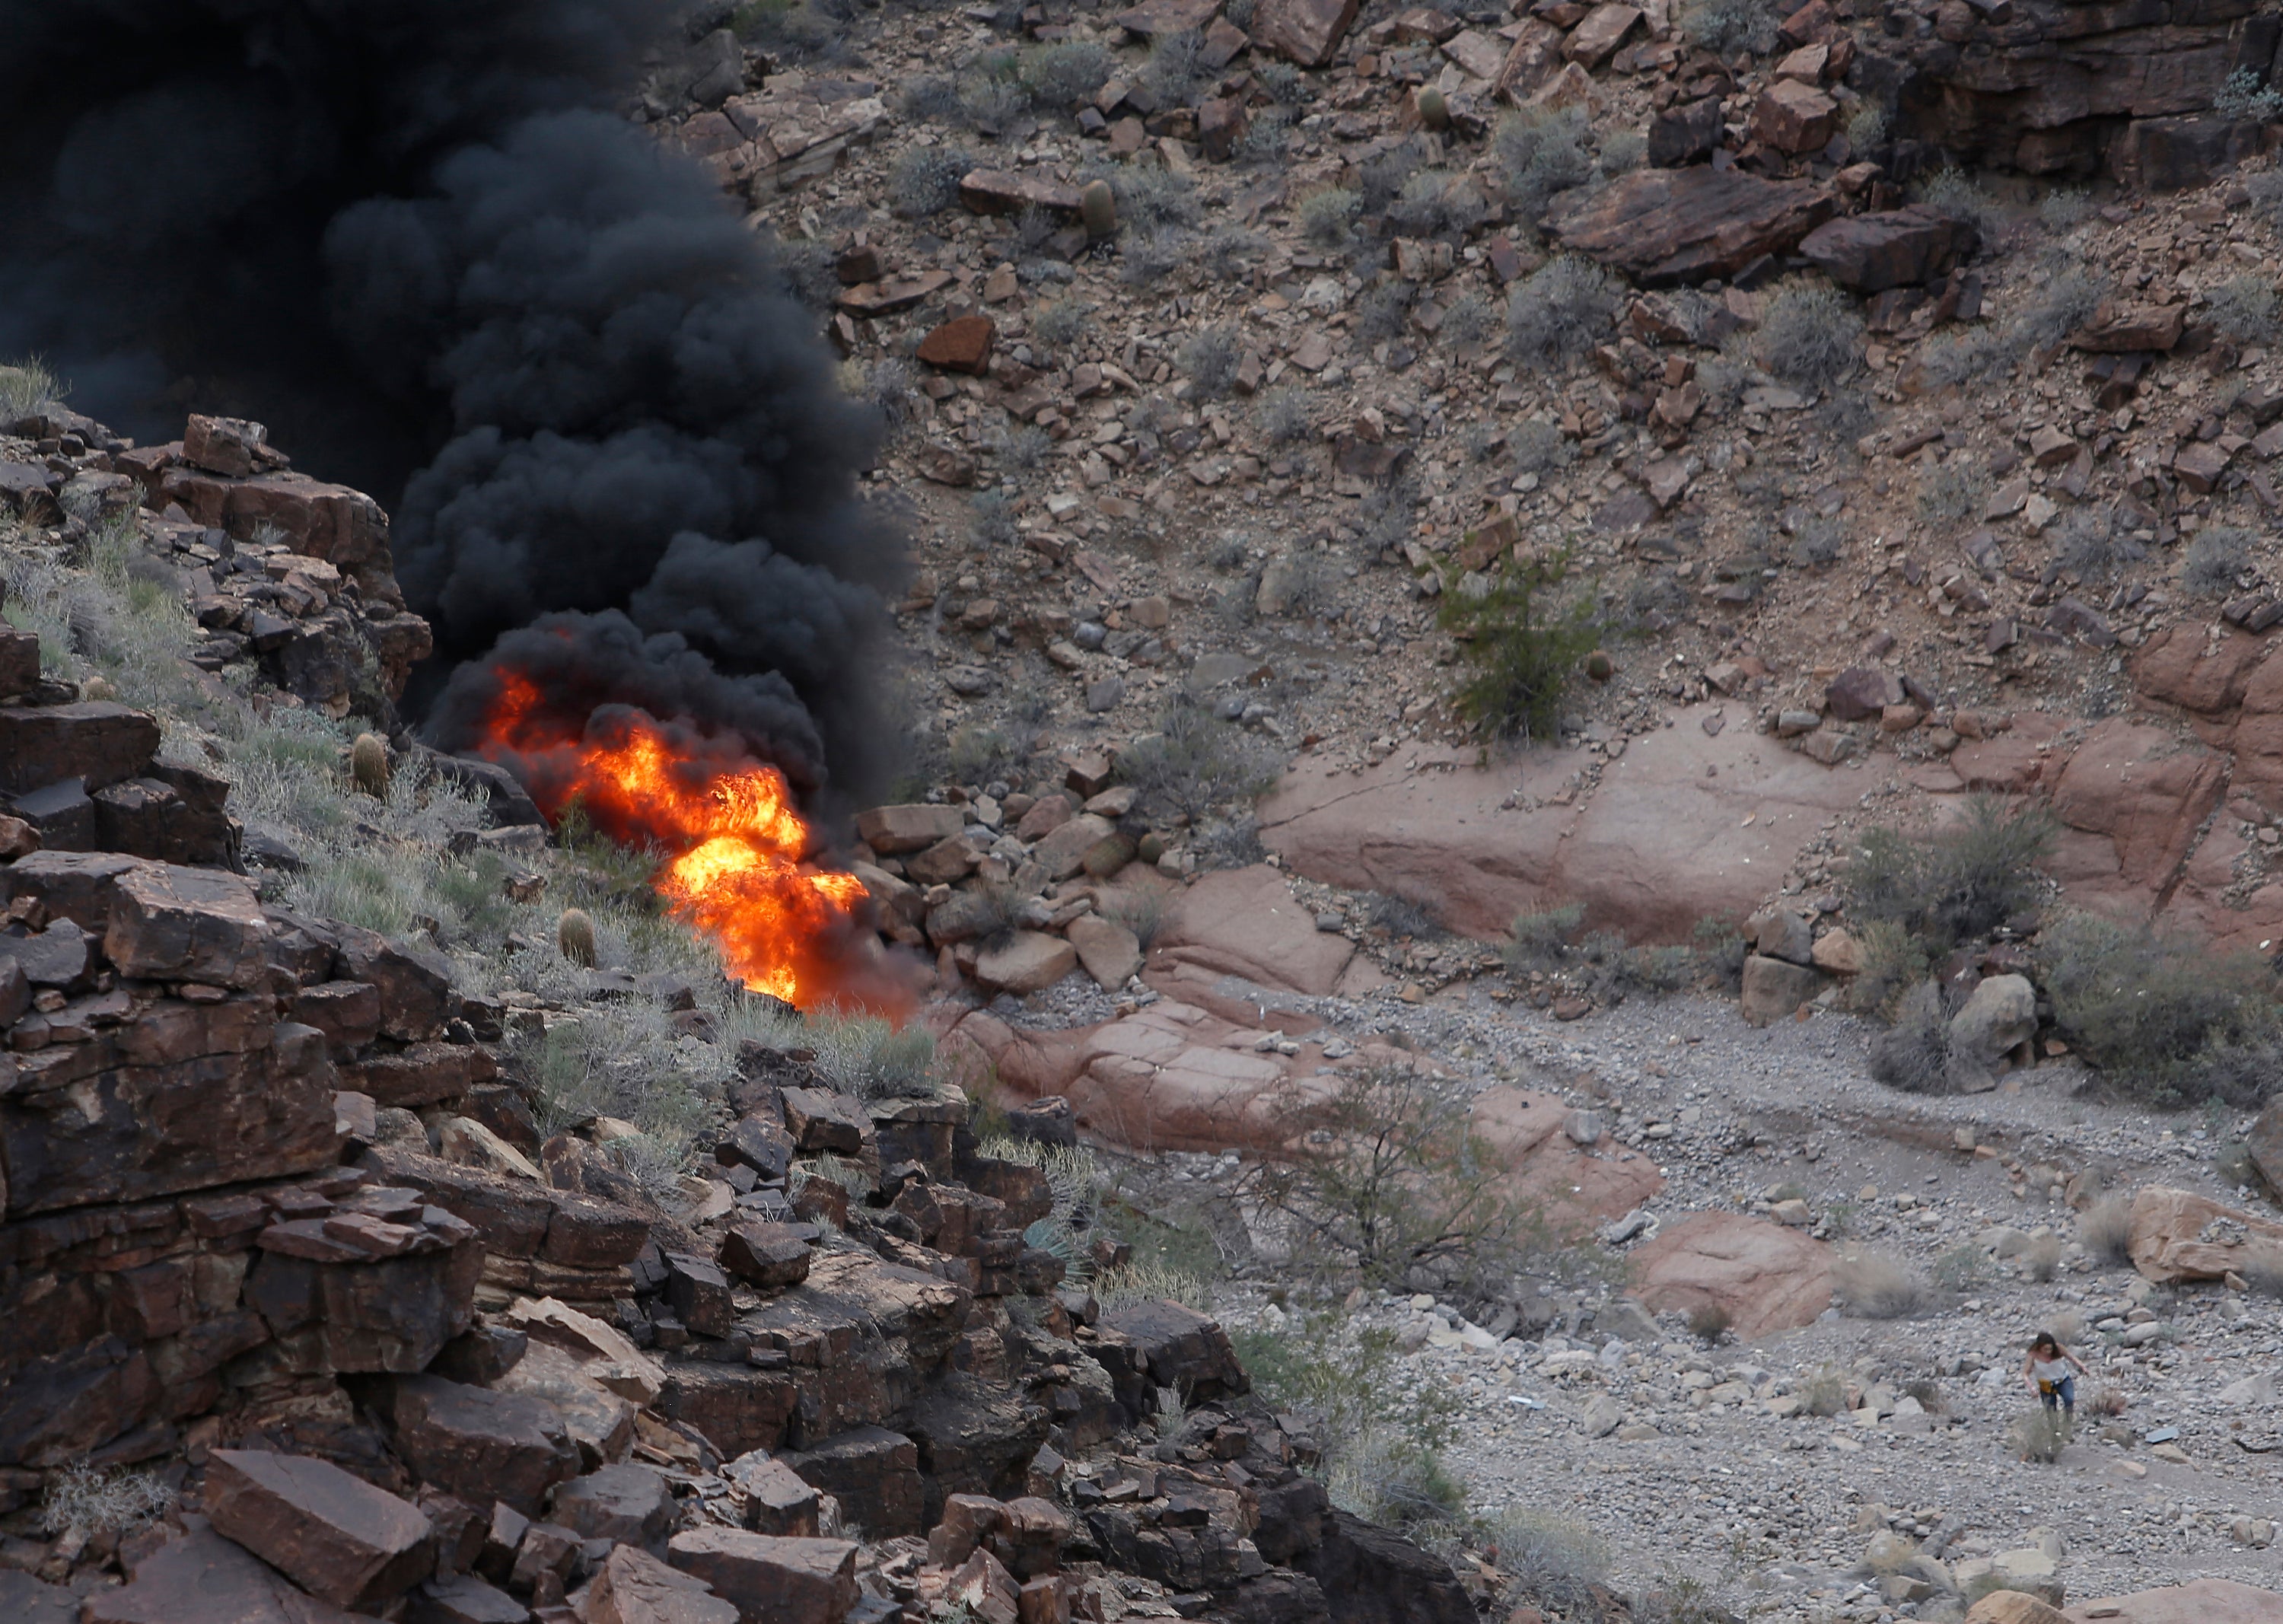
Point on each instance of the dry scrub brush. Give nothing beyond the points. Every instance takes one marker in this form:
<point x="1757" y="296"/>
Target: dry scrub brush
<point x="1385" y="1176"/>
<point x="1878" y="1287"/>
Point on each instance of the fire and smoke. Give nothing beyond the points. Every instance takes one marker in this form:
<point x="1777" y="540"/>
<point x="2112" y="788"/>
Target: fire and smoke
<point x="734" y="849"/>
<point x="412" y="236"/>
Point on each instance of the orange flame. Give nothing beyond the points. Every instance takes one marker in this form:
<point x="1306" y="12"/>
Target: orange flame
<point x="736" y="851"/>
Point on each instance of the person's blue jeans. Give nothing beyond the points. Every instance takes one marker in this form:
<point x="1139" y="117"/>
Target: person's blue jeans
<point x="2062" y="1393"/>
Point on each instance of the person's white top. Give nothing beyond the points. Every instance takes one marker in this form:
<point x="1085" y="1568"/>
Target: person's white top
<point x="2049" y="1370"/>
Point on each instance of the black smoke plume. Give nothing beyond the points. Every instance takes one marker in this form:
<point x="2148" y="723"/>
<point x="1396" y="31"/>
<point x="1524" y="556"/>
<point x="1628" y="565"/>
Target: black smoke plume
<point x="416" y="237"/>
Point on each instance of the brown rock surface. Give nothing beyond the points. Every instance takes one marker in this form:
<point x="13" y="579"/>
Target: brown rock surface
<point x="2149" y="791"/>
<point x="769" y="1578"/>
<point x="481" y="1444"/>
<point x="205" y="1579"/>
<point x="334" y="1534"/>
<point x="1663" y="227"/>
<point x="636" y="1588"/>
<point x="1869" y="253"/>
<point x="1662" y="844"/>
<point x="2200" y="1601"/>
<point x="1767" y="1277"/>
<point x="1573" y="1185"/>
<point x="2177" y="1235"/>
<point x="1245" y="922"/>
<point x="1307" y="32"/>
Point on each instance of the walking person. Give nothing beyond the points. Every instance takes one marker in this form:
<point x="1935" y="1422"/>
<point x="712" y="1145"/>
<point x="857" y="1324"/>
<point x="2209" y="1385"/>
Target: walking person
<point x="2046" y="1371"/>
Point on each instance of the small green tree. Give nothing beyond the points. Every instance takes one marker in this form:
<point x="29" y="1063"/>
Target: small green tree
<point x="1387" y="1174"/>
<point x="1522" y="644"/>
<point x="1954" y="887"/>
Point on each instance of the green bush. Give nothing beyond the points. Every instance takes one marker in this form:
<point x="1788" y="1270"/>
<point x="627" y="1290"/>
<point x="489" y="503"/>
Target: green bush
<point x="1959" y="885"/>
<point x="1387" y="1177"/>
<point x="1893" y="962"/>
<point x="2168" y="1022"/>
<point x="2242" y="95"/>
<point x="1720" y="950"/>
<point x="1523" y="648"/>
<point x="1913" y="1055"/>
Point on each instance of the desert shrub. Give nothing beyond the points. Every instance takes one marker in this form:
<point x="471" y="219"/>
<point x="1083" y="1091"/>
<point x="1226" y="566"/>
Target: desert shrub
<point x="1176" y="67"/>
<point x="97" y="1501"/>
<point x="1540" y="940"/>
<point x="1709" y="1322"/>
<point x="1930" y="1395"/>
<point x="867" y="1056"/>
<point x="1950" y="191"/>
<point x="1402" y="916"/>
<point x="2065" y="300"/>
<point x="2242" y="95"/>
<point x="1558" y="1567"/>
<point x="1285" y="415"/>
<point x="930" y="99"/>
<point x="1866" y="128"/>
<point x="803" y="266"/>
<point x="1435" y="203"/>
<point x="1383" y="311"/>
<point x="1210" y="357"/>
<point x="1151" y="198"/>
<point x="23" y="387"/>
<point x="1720" y="950"/>
<point x="1142" y="1280"/>
<point x="1818" y="544"/>
<point x="1285" y="84"/>
<point x="1962" y="1269"/>
<point x="992" y="94"/>
<point x="990" y="519"/>
<point x="2243" y="308"/>
<point x="2105" y="1230"/>
<point x="1957" y="884"/>
<point x="1893" y="962"/>
<point x="1140" y="910"/>
<point x="1196" y="764"/>
<point x="1058" y="324"/>
<point x="1725" y="26"/>
<point x="2038" y="1435"/>
<point x="1379" y="179"/>
<point x="1624" y="150"/>
<point x="2064" y="208"/>
<point x="1824" y="1393"/>
<point x="977" y="755"/>
<point x="1224" y="252"/>
<point x="1381" y="1435"/>
<point x="2210" y="564"/>
<point x="1028" y="447"/>
<point x="1388" y="516"/>
<point x="2041" y="1259"/>
<point x="1538" y="447"/>
<point x="2266" y="189"/>
<point x="1387" y="1175"/>
<point x="2167" y="1022"/>
<point x="887" y="388"/>
<point x="1878" y="1287"/>
<point x="1560" y="311"/>
<point x="925" y="180"/>
<point x="1522" y="646"/>
<point x="1542" y="152"/>
<point x="1061" y="76"/>
<point x="2093" y="546"/>
<point x="1327" y="217"/>
<point x="1913" y="1055"/>
<point x="2106" y="1401"/>
<point x="1810" y="334"/>
<point x="1951" y="494"/>
<point x="1468" y="322"/>
<point x="1145" y="256"/>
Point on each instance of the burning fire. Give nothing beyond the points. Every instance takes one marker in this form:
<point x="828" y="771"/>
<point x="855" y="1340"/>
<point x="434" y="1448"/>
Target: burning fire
<point x="734" y="849"/>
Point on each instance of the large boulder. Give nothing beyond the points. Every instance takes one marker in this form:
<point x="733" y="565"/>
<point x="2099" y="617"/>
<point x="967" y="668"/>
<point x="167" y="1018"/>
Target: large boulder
<point x="1870" y="253"/>
<point x="1766" y="1276"/>
<point x="1246" y="922"/>
<point x="1573" y="1185"/>
<point x="2174" y="1235"/>
<point x="334" y="1534"/>
<point x="2145" y="789"/>
<point x="1774" y="988"/>
<point x="1307" y="32"/>
<point x="1999" y="1016"/>
<point x="1665" y="227"/>
<point x="2200" y="1601"/>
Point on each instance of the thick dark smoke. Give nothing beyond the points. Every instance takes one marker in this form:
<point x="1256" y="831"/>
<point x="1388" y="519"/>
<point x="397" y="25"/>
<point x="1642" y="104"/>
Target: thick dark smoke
<point x="413" y="237"/>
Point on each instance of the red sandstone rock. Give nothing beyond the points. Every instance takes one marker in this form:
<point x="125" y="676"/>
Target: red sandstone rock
<point x="335" y="1536"/>
<point x="1764" y="1275"/>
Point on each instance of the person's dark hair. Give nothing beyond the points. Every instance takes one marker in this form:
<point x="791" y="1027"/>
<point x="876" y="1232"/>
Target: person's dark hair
<point x="2045" y="1338"/>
